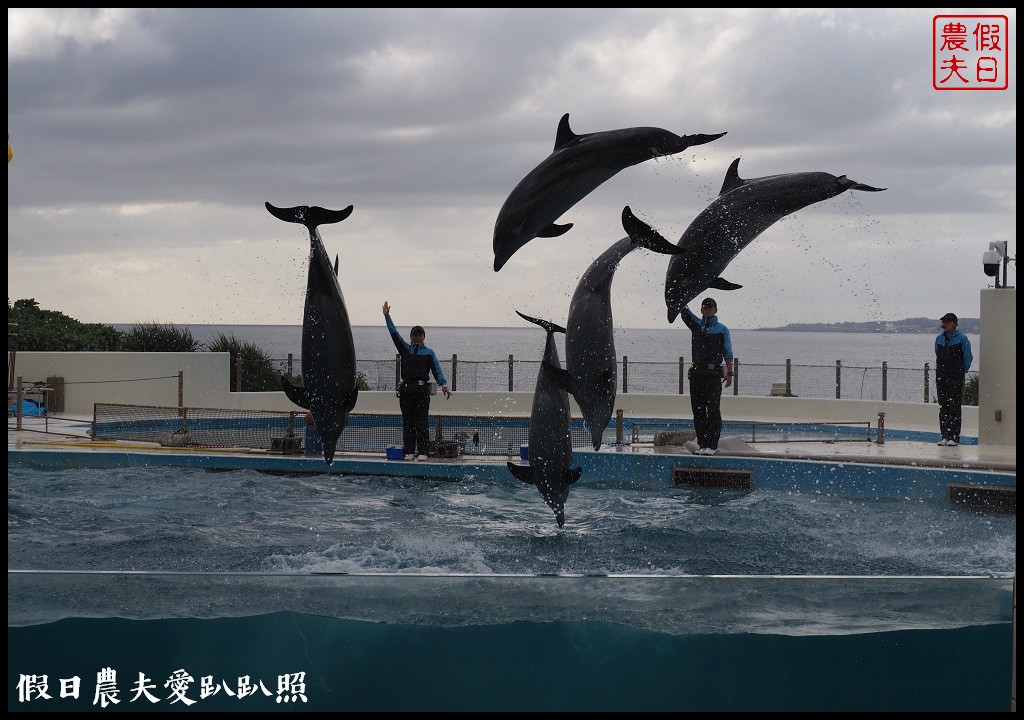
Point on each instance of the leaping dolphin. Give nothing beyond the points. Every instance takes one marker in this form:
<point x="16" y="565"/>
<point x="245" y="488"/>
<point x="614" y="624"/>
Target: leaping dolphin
<point x="590" y="367"/>
<point x="577" y="165"/>
<point x="329" y="389"/>
<point x="550" y="438"/>
<point x="743" y="210"/>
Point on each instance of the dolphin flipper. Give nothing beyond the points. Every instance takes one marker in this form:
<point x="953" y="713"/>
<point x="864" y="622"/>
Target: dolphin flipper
<point x="522" y="472"/>
<point x="560" y="376"/>
<point x="350" y="400"/>
<point x="723" y="284"/>
<point x="296" y="393"/>
<point x="554" y="230"/>
<point x="571" y="475"/>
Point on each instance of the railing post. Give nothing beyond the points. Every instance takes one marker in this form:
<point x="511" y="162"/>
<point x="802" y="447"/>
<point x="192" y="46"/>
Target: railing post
<point x="789" y="377"/>
<point x="455" y="372"/>
<point x="17" y="398"/>
<point x="619" y="434"/>
<point x="181" y="388"/>
<point x="439" y="427"/>
<point x="510" y="361"/>
<point x="735" y="376"/>
<point x="881" y="429"/>
<point x="625" y="373"/>
<point x="926" y="378"/>
<point x="839" y="378"/>
<point x="682" y="373"/>
<point x="238" y="372"/>
<point x="290" y="365"/>
<point x="885" y="381"/>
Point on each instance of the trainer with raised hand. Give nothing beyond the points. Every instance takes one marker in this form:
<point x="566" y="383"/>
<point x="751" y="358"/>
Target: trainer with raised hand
<point x="417" y="363"/>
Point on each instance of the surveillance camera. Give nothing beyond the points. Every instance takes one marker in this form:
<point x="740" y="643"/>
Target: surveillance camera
<point x="990" y="261"/>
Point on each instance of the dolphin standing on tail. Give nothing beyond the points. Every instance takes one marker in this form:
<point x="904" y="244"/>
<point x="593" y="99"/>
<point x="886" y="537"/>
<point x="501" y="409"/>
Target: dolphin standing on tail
<point x="329" y="389"/>
<point x="743" y="210"/>
<point x="577" y="166"/>
<point x="590" y="366"/>
<point x="550" y="439"/>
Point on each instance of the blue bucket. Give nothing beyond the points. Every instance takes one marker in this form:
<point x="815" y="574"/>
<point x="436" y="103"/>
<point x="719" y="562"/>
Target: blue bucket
<point x="524" y="452"/>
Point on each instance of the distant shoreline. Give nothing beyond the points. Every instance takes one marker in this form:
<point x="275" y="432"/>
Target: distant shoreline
<point x="920" y="325"/>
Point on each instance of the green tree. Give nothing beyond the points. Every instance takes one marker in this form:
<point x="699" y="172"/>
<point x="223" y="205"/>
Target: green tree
<point x="158" y="337"/>
<point x="51" y="331"/>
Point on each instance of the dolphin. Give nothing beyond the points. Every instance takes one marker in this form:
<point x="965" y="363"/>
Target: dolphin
<point x="329" y="389"/>
<point x="591" y="370"/>
<point x="550" y="468"/>
<point x="743" y="210"/>
<point x="577" y="166"/>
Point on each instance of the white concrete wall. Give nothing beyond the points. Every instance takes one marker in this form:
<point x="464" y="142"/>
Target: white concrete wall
<point x="152" y="379"/>
<point x="997" y="401"/>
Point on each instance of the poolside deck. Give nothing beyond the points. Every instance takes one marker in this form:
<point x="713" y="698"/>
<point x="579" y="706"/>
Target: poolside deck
<point x="69" y="434"/>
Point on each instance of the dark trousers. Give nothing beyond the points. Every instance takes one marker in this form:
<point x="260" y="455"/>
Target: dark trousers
<point x="950" y="392"/>
<point x="706" y="403"/>
<point x="415" y="405"/>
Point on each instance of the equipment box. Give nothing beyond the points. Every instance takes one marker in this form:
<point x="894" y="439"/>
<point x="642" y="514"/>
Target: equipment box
<point x="445" y="450"/>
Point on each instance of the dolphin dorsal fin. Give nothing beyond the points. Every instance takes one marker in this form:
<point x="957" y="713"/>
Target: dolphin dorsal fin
<point x="564" y="135"/>
<point x="732" y="178"/>
<point x="335" y="266"/>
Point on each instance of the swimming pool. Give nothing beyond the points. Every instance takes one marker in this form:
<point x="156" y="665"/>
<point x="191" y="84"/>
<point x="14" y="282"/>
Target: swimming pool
<point x="465" y="595"/>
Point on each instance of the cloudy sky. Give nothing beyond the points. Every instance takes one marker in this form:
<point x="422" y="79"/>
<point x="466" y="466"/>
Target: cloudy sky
<point x="146" y="142"/>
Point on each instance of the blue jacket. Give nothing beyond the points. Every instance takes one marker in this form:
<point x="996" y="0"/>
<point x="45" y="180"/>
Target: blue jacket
<point x="953" y="353"/>
<point x="711" y="342"/>
<point x="418" y="362"/>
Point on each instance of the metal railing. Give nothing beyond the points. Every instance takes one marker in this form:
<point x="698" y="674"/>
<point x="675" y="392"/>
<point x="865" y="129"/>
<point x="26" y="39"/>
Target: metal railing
<point x="669" y="378"/>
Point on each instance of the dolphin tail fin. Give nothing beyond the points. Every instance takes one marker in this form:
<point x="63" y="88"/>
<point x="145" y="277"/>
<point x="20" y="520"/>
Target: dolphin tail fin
<point x="296" y="393"/>
<point x="310" y="216"/>
<point x="643" y="235"/>
<point x="571" y="475"/>
<point x="549" y="326"/>
<point x="522" y="472"/>
<point x="554" y="230"/>
<point x="848" y="184"/>
<point x="723" y="284"/>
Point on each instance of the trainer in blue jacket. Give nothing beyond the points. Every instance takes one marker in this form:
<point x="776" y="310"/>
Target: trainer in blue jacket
<point x="417" y="363"/>
<point x="711" y="347"/>
<point x="953" y="360"/>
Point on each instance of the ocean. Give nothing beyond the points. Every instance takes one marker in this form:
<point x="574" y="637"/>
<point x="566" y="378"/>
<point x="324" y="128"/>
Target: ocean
<point x="639" y="345"/>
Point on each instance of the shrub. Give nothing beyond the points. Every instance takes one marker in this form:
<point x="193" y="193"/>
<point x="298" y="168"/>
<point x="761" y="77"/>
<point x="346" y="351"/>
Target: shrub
<point x="971" y="390"/>
<point x="157" y="337"/>
<point x="259" y="372"/>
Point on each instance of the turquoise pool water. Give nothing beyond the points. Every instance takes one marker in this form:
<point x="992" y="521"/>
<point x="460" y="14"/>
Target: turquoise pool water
<point x="392" y="593"/>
